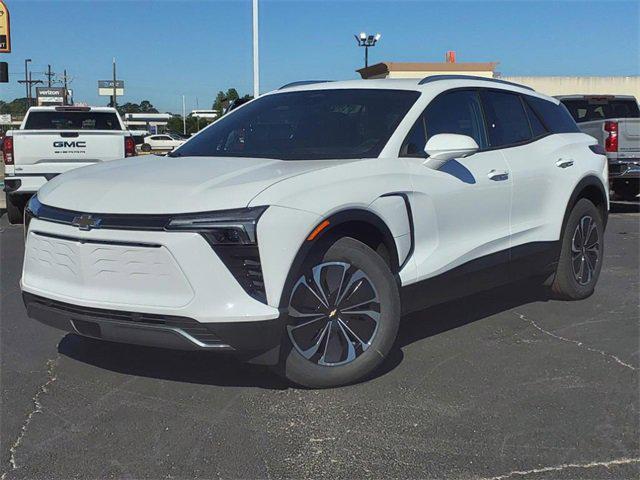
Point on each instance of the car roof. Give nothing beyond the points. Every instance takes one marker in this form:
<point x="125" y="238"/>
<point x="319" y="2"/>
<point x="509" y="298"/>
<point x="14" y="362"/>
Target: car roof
<point x="435" y="83"/>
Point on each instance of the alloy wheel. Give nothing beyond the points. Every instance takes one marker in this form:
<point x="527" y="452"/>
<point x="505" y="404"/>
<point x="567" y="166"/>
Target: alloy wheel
<point x="334" y="314"/>
<point x="585" y="250"/>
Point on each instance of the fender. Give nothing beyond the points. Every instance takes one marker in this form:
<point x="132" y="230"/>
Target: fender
<point x="588" y="181"/>
<point x="336" y="221"/>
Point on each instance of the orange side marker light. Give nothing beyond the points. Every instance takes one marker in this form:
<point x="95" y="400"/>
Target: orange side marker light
<point x="317" y="230"/>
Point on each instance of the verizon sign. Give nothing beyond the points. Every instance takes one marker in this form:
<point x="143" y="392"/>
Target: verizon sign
<point x="50" y="96"/>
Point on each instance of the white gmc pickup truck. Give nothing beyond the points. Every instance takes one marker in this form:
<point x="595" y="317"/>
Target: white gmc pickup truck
<point x="53" y="140"/>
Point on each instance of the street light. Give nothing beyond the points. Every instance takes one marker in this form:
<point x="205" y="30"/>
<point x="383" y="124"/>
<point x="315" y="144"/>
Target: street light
<point x="367" y="41"/>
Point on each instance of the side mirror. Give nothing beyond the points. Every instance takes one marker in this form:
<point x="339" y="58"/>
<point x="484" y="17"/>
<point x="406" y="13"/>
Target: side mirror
<point x="446" y="146"/>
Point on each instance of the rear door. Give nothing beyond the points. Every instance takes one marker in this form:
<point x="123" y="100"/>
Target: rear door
<point x="461" y="211"/>
<point x="542" y="152"/>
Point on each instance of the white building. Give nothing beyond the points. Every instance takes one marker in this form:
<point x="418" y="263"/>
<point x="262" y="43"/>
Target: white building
<point x="550" y="85"/>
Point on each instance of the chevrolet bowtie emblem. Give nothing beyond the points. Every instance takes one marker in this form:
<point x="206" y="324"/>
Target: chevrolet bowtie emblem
<point x="86" y="222"/>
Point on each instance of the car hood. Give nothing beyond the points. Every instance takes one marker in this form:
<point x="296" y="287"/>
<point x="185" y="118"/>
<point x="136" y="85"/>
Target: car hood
<point x="154" y="184"/>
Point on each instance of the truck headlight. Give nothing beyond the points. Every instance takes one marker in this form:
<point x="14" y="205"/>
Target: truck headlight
<point x="225" y="227"/>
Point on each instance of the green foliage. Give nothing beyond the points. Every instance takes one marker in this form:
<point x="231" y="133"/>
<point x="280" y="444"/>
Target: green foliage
<point x="16" y="108"/>
<point x="223" y="99"/>
<point x="175" y="124"/>
<point x="144" y="107"/>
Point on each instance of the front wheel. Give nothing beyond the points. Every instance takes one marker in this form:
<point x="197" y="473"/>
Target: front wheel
<point x="145" y="147"/>
<point x="343" y="317"/>
<point x="581" y="254"/>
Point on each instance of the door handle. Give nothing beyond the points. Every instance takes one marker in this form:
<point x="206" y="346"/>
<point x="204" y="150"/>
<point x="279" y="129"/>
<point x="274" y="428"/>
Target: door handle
<point x="564" y="163"/>
<point x="498" y="175"/>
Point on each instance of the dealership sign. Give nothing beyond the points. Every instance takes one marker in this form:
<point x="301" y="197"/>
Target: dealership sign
<point x="5" y="35"/>
<point x="105" y="88"/>
<point x="50" y="96"/>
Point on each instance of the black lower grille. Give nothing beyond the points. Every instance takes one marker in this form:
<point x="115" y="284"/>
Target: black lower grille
<point x="188" y="325"/>
<point x="243" y="261"/>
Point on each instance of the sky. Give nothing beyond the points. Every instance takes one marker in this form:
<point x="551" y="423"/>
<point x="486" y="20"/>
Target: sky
<point x="166" y="49"/>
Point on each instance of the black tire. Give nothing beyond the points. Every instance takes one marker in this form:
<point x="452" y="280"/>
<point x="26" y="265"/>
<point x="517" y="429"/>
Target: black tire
<point x="145" y="147"/>
<point x="580" y="261"/>
<point x="367" y="275"/>
<point x="15" y="208"/>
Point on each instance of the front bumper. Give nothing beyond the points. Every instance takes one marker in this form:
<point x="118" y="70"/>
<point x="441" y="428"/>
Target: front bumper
<point x="254" y="341"/>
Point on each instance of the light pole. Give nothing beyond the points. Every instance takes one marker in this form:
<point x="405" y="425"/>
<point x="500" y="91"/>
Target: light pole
<point x="367" y="41"/>
<point x="256" y="59"/>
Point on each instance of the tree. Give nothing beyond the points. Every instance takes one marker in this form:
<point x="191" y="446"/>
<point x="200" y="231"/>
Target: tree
<point x="223" y="99"/>
<point x="16" y="107"/>
<point x="144" y="107"/>
<point x="147" y="107"/>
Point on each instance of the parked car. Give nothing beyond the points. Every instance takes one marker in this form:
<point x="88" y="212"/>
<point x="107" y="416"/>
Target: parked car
<point x="53" y="140"/>
<point x="613" y="120"/>
<point x="162" y="142"/>
<point x="300" y="227"/>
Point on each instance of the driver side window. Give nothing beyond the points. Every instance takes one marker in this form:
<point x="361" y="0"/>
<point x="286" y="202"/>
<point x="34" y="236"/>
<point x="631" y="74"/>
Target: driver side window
<point x="458" y="112"/>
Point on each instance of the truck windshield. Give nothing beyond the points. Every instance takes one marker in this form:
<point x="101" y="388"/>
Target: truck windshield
<point x="72" y="121"/>
<point x="587" y="110"/>
<point x="306" y="125"/>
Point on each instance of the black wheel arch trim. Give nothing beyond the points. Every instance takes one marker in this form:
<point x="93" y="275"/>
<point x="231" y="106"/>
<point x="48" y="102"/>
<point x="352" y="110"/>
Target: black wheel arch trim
<point x="585" y="182"/>
<point x="336" y="220"/>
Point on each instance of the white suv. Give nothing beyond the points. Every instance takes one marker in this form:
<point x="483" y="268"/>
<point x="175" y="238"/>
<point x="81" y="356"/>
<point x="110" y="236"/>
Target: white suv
<point x="298" y="228"/>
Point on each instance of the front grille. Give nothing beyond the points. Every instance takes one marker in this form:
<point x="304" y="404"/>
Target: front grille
<point x="187" y="325"/>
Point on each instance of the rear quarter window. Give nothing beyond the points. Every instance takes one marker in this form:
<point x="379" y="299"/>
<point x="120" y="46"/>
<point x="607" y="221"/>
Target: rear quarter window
<point x="72" y="121"/>
<point x="555" y="117"/>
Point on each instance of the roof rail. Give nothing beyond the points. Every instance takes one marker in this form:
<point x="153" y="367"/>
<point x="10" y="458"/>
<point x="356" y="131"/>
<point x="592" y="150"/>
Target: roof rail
<point x="303" y="82"/>
<point x="436" y="78"/>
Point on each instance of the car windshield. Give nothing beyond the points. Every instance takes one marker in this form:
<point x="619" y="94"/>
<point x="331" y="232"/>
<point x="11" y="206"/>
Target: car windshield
<point x="306" y="125"/>
<point x="587" y="110"/>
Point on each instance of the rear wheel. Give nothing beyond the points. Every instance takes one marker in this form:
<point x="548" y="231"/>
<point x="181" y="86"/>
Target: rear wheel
<point x="15" y="208"/>
<point x="343" y="317"/>
<point x="582" y="253"/>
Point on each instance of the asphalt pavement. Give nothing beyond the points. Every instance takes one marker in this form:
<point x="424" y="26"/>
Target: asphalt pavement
<point x="502" y="385"/>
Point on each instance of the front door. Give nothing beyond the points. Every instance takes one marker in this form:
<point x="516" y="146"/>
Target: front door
<point x="461" y="211"/>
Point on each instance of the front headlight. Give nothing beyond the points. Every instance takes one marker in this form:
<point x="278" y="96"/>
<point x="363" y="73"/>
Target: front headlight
<point x="225" y="227"/>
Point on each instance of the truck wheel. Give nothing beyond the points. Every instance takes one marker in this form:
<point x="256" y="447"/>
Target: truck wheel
<point x="343" y="317"/>
<point x="15" y="208"/>
<point x="581" y="253"/>
<point x="145" y="147"/>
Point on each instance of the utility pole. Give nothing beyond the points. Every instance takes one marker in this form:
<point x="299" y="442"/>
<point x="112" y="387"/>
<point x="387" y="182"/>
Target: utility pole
<point x="256" y="58"/>
<point x="115" y="103"/>
<point x="26" y="79"/>
<point x="49" y="74"/>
